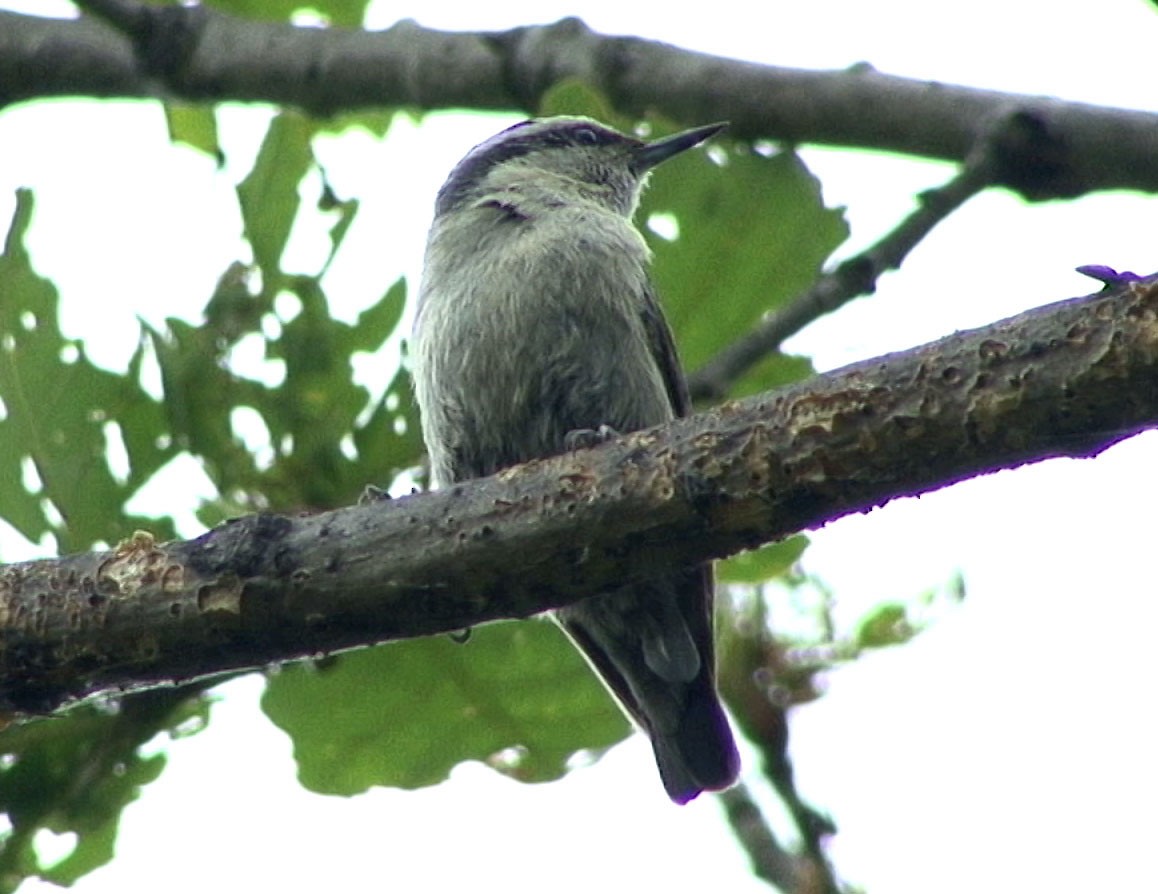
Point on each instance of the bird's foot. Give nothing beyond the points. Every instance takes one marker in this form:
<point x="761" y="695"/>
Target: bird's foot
<point x="582" y="438"/>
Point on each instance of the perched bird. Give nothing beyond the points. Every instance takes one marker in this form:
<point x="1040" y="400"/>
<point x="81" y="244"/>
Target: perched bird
<point x="538" y="329"/>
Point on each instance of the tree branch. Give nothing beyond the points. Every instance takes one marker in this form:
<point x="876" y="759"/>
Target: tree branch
<point x="1067" y="379"/>
<point x="787" y="872"/>
<point x="857" y="275"/>
<point x="197" y="53"/>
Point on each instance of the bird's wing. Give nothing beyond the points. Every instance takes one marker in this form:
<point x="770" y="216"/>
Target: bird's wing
<point x="663" y="349"/>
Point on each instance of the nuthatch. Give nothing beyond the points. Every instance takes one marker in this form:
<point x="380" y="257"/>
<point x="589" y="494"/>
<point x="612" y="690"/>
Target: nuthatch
<point x="537" y="322"/>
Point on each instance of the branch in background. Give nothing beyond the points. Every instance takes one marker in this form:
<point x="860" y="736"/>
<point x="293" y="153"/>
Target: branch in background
<point x="198" y="53"/>
<point x="759" y="686"/>
<point x="762" y="678"/>
<point x="858" y="275"/>
<point x="788" y="872"/>
<point x="1069" y="379"/>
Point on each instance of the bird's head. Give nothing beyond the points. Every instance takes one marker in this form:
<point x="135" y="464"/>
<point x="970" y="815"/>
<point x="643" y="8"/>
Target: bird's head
<point x="564" y="160"/>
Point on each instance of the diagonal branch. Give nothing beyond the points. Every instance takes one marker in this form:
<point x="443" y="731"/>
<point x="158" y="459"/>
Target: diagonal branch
<point x="1067" y="379"/>
<point x="858" y="275"/>
<point x="786" y="871"/>
<point x="198" y="53"/>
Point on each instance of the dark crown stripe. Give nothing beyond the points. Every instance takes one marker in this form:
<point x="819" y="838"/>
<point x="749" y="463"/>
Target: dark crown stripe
<point x="514" y="142"/>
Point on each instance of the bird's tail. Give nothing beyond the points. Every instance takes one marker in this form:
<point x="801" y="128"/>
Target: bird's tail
<point x="701" y="754"/>
<point x="651" y="644"/>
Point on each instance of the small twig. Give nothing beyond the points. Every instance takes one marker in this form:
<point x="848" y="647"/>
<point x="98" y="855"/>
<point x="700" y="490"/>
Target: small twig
<point x="771" y="861"/>
<point x="760" y="684"/>
<point x="858" y="275"/>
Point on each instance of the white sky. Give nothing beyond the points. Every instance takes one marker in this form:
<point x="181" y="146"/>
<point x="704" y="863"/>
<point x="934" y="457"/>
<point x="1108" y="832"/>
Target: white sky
<point x="1010" y="748"/>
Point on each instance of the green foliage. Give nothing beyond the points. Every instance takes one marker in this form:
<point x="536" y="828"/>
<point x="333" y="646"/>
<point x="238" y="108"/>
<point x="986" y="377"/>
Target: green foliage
<point x="347" y="13"/>
<point x="896" y="622"/>
<point x="327" y="437"/>
<point x="515" y="695"/>
<point x="73" y="775"/>
<point x="752" y="232"/>
<point x="323" y="451"/>
<point x="574" y="97"/>
<point x="269" y="194"/>
<point x="757" y="566"/>
<point x="194" y="126"/>
<point x="61" y="412"/>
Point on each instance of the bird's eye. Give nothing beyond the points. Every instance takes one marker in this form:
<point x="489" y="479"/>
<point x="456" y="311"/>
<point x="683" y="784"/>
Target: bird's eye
<point x="586" y="135"/>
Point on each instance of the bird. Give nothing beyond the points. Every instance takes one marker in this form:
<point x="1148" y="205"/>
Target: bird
<point x="538" y="330"/>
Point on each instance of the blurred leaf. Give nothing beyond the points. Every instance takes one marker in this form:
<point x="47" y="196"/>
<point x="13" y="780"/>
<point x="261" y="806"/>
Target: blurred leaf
<point x="895" y="623"/>
<point x="758" y="565"/>
<point x="327" y="439"/>
<point x="572" y="96"/>
<point x="774" y="371"/>
<point x="886" y="624"/>
<point x="60" y="414"/>
<point x="347" y="210"/>
<point x="233" y="310"/>
<point x="200" y="395"/>
<point x="196" y="126"/>
<point x="378" y="322"/>
<point x="269" y="194"/>
<point x="316" y="407"/>
<point x="390" y="441"/>
<point x="752" y="233"/>
<point x="75" y="773"/>
<point x="375" y="121"/>
<point x="404" y="714"/>
<point x="347" y="13"/>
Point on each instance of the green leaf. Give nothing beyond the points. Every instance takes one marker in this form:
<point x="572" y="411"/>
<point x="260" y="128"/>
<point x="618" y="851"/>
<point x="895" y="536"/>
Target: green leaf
<point x="200" y="394"/>
<point x="516" y="696"/>
<point x="233" y="310"/>
<point x="752" y="234"/>
<point x="572" y="96"/>
<point x="347" y="13"/>
<point x="316" y="406"/>
<point x="196" y="126"/>
<point x="374" y="121"/>
<point x="269" y="194"/>
<point x="74" y="774"/>
<point x="327" y="440"/>
<point x="323" y="412"/>
<point x="347" y="210"/>
<point x="887" y="624"/>
<point x="60" y="413"/>
<point x="378" y="322"/>
<point x="759" y="565"/>
<point x="390" y="441"/>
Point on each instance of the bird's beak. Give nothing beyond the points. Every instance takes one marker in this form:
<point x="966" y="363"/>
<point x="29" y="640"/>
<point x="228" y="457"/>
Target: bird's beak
<point x="651" y="154"/>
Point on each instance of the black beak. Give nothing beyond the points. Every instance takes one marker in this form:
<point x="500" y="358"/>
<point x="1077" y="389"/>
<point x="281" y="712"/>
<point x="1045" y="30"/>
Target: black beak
<point x="651" y="154"/>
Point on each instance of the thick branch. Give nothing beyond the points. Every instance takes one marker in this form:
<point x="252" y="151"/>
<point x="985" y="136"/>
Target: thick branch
<point x="199" y="54"/>
<point x="1067" y="379"/>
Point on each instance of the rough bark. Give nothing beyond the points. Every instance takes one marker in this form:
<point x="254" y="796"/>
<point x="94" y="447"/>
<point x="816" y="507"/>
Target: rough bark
<point x="1068" y="379"/>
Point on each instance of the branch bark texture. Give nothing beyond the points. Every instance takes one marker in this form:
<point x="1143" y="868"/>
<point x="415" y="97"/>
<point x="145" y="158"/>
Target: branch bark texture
<point x="1066" y="379"/>
<point x="195" y="53"/>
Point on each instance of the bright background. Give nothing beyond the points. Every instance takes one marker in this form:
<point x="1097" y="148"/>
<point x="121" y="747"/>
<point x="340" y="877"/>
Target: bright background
<point x="1010" y="748"/>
